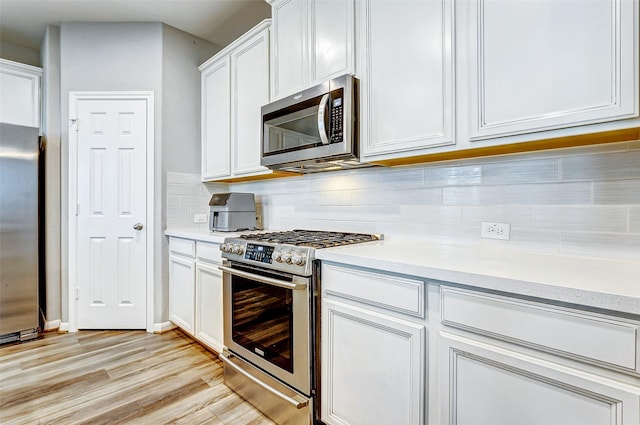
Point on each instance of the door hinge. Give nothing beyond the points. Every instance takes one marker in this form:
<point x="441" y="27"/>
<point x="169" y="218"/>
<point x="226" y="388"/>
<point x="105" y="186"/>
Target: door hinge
<point x="72" y="122"/>
<point x="77" y="209"/>
<point x="77" y="293"/>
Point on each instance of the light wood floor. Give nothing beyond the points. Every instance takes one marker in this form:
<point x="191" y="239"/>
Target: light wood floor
<point x="117" y="377"/>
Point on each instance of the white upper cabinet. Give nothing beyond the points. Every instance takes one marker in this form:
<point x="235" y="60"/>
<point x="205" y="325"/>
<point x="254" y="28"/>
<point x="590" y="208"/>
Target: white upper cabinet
<point x="312" y="42"/>
<point x="405" y="65"/>
<point x="249" y="91"/>
<point x="20" y="93"/>
<point x="235" y="85"/>
<point x="545" y="64"/>
<point x="216" y="121"/>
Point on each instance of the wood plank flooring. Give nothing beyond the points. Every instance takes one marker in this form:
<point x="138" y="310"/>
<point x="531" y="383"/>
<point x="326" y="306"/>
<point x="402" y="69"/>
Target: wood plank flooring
<point x="117" y="377"/>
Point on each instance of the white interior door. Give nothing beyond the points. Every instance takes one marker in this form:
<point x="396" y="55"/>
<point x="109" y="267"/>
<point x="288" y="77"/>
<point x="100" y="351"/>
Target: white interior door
<point x="111" y="233"/>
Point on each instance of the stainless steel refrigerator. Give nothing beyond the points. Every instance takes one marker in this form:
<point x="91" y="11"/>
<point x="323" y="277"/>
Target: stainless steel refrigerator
<point x="19" y="156"/>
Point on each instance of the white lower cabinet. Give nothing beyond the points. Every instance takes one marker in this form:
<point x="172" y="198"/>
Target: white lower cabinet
<point x="505" y="360"/>
<point x="195" y="290"/>
<point x="488" y="385"/>
<point x="398" y="349"/>
<point x="181" y="292"/>
<point x="209" y="306"/>
<point x="373" y="363"/>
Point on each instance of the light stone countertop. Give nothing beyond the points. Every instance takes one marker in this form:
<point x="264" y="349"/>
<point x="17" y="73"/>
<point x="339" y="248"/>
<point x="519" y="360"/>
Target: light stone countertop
<point x="597" y="283"/>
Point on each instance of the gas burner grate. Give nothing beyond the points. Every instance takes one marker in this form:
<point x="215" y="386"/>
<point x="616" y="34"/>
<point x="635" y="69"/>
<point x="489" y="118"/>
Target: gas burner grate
<point x="312" y="238"/>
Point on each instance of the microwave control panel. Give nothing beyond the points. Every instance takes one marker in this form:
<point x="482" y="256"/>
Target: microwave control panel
<point x="337" y="117"/>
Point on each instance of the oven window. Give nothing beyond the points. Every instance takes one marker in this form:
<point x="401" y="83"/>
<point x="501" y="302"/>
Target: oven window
<point x="262" y="320"/>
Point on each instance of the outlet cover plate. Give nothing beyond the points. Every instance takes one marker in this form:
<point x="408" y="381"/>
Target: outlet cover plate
<point x="200" y="218"/>
<point x="493" y="230"/>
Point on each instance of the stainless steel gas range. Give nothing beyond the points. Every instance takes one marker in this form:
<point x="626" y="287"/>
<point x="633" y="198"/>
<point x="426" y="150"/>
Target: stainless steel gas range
<point x="271" y="296"/>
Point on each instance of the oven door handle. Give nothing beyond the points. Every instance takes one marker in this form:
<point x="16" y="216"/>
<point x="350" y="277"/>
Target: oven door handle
<point x="263" y="279"/>
<point x="298" y="404"/>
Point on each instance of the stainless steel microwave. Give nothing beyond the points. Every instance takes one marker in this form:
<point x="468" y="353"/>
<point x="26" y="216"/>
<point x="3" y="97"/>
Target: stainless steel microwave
<point x="314" y="130"/>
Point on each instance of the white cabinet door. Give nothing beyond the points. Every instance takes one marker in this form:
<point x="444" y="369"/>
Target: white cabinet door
<point x="545" y="64"/>
<point x="182" y="292"/>
<point x="373" y="367"/>
<point x="332" y="38"/>
<point x="216" y="120"/>
<point x="209" y="306"/>
<point x="290" y="46"/>
<point x="250" y="90"/>
<point x="483" y="384"/>
<point x="405" y="65"/>
<point x="20" y="93"/>
<point x="313" y="40"/>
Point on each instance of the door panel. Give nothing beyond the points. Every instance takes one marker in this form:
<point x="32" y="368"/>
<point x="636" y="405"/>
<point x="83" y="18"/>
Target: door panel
<point x="112" y="187"/>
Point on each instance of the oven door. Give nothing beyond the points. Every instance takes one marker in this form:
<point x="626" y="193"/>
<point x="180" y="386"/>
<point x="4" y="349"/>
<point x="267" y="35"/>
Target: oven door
<point x="267" y="321"/>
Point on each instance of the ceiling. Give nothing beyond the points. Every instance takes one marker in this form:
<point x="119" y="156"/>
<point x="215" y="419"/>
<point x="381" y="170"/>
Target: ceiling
<point x="23" y="22"/>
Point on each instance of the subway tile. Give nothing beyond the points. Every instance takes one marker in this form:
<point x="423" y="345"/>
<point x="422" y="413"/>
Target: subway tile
<point x="532" y="171"/>
<point x="578" y="193"/>
<point x="473" y="195"/>
<point x="416" y="196"/>
<point x="333" y="197"/>
<point x="199" y="210"/>
<point x="180" y="223"/>
<point x="582" y="219"/>
<point x="602" y="245"/>
<point x="366" y="179"/>
<point x="453" y="176"/>
<point x="182" y="189"/>
<point x="173" y="201"/>
<point x="346" y="226"/>
<point x="178" y="178"/>
<point x="617" y="192"/>
<point x="513" y="214"/>
<point x="181" y="212"/>
<point x="609" y="166"/>
<point x="634" y="220"/>
<point x="194" y="201"/>
<point x="436" y="214"/>
<point x="633" y="146"/>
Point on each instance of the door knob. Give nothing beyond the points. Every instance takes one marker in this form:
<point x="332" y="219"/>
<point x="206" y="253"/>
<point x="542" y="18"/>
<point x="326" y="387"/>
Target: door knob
<point x="138" y="226"/>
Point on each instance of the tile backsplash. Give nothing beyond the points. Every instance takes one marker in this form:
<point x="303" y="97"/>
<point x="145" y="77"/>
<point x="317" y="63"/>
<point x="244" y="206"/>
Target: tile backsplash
<point x="578" y="201"/>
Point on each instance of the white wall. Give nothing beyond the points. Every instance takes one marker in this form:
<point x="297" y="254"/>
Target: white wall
<point x="50" y="59"/>
<point x="182" y="53"/>
<point x="137" y="57"/>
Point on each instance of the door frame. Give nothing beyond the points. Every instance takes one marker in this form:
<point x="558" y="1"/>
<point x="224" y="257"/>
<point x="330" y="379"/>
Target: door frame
<point x="75" y="97"/>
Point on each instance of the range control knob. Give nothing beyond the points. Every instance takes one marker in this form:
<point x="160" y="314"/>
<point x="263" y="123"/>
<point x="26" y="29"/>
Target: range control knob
<point x="223" y="247"/>
<point x="277" y="255"/>
<point x="298" y="259"/>
<point x="238" y="249"/>
<point x="286" y="257"/>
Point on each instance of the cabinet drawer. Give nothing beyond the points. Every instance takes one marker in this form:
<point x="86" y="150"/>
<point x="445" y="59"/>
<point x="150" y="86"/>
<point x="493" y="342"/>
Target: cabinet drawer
<point x="570" y="332"/>
<point x="209" y="252"/>
<point x="182" y="247"/>
<point x="406" y="296"/>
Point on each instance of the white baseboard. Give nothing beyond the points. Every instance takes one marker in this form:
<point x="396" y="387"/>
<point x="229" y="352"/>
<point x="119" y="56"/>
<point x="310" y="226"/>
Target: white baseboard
<point x="159" y="328"/>
<point x="51" y="325"/>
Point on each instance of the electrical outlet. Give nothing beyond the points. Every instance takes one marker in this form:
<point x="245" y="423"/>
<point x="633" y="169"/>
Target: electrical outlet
<point x="492" y="230"/>
<point x="258" y="221"/>
<point x="200" y="218"/>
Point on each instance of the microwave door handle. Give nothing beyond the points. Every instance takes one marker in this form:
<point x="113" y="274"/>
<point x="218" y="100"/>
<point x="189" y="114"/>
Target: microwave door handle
<point x="321" y="115"/>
